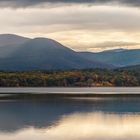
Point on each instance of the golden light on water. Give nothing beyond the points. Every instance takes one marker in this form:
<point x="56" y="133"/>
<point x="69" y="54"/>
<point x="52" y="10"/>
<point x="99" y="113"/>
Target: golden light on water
<point x="84" y="126"/>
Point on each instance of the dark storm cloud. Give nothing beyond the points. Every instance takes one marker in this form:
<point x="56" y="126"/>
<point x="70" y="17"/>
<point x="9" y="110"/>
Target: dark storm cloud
<point x="28" y="3"/>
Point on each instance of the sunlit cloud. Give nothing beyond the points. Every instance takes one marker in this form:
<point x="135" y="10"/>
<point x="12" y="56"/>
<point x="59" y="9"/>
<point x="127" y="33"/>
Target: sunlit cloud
<point x="83" y="26"/>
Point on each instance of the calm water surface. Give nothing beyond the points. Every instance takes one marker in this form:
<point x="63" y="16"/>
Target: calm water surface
<point x="71" y="119"/>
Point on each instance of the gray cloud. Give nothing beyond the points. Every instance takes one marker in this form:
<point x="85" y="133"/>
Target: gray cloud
<point x="30" y="3"/>
<point x="78" y="26"/>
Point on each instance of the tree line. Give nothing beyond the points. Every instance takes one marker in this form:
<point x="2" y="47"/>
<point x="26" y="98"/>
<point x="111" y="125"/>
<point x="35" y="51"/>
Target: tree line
<point x="71" y="78"/>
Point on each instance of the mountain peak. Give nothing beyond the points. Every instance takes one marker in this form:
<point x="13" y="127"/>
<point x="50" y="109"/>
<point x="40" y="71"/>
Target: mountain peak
<point x="11" y="36"/>
<point x="44" y="39"/>
<point x="43" y="53"/>
<point x="11" y="39"/>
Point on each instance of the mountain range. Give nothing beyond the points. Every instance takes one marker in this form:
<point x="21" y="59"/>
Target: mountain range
<point x="117" y="57"/>
<point x="20" y="53"/>
<point x="40" y="54"/>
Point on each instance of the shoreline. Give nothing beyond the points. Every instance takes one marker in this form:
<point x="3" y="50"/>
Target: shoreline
<point x="61" y="93"/>
<point x="55" y="96"/>
<point x="71" y="90"/>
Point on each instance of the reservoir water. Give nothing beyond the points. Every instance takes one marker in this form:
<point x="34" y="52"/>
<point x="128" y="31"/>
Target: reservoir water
<point x="71" y="119"/>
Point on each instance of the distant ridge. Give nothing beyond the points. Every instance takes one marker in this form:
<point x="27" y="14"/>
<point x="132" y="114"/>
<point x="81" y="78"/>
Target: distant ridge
<point x="21" y="53"/>
<point x="44" y="54"/>
<point x="115" y="50"/>
<point x="133" y="67"/>
<point x="119" y="58"/>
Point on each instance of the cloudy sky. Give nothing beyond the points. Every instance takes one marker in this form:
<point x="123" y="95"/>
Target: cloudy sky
<point x="83" y="25"/>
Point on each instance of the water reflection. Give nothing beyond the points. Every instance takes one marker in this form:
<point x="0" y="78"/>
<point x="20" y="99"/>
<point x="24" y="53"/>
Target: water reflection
<point x="71" y="119"/>
<point x="89" y="126"/>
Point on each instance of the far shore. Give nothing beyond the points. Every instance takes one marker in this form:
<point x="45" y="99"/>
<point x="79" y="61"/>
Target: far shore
<point x="61" y="93"/>
<point x="71" y="90"/>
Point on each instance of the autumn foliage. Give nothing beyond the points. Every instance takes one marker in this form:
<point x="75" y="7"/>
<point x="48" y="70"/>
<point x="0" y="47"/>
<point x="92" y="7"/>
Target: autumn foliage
<point x="71" y="78"/>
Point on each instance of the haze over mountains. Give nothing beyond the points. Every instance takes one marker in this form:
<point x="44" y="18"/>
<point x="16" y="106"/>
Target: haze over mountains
<point x="9" y="43"/>
<point x="118" y="57"/>
<point x="20" y="53"/>
<point x="42" y="53"/>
